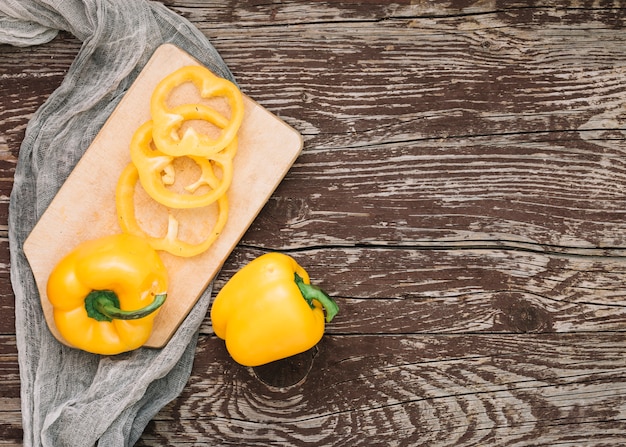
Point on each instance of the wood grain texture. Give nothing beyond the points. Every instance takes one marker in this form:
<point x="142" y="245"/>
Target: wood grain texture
<point x="460" y="193"/>
<point x="430" y="390"/>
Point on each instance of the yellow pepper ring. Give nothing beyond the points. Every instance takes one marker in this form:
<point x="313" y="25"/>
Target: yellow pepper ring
<point x="168" y="122"/>
<point x="150" y="165"/>
<point x="124" y="200"/>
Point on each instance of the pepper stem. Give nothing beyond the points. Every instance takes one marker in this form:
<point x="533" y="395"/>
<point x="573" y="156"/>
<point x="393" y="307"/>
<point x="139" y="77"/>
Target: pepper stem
<point x="104" y="305"/>
<point x="313" y="293"/>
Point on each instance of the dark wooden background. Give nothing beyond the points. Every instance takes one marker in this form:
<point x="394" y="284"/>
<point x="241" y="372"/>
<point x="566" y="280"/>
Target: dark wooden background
<point x="461" y="194"/>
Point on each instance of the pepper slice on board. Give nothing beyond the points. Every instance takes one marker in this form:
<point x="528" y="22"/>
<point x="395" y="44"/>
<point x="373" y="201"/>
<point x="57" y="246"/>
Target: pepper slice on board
<point x="151" y="165"/>
<point x="168" y="122"/>
<point x="125" y="203"/>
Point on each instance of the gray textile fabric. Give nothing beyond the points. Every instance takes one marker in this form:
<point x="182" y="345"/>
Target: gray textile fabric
<point x="69" y="397"/>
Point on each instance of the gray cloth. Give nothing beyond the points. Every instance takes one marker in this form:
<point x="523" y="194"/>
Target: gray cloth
<point x="69" y="397"/>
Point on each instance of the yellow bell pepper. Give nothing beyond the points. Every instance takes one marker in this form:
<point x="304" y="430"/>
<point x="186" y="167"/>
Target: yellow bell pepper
<point x="269" y="311"/>
<point x="106" y="293"/>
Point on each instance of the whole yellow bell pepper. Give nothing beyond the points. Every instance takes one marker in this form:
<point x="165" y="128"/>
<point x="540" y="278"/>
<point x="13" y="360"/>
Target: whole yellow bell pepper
<point x="269" y="311"/>
<point x="106" y="293"/>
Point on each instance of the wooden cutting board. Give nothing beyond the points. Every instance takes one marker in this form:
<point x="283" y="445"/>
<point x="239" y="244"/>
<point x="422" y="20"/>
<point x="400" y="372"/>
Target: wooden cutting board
<point x="84" y="208"/>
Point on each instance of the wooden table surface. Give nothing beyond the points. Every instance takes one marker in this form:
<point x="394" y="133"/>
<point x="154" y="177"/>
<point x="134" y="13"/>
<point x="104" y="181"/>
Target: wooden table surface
<point x="462" y="195"/>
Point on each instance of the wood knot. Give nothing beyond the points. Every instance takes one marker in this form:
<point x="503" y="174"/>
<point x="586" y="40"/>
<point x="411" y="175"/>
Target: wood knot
<point x="517" y="314"/>
<point x="286" y="372"/>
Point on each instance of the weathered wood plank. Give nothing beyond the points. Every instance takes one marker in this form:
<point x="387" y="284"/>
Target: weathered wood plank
<point x="460" y="193"/>
<point x="447" y="291"/>
<point x="10" y="414"/>
<point x="399" y="75"/>
<point x="512" y="389"/>
<point x="411" y="390"/>
<point x="543" y="195"/>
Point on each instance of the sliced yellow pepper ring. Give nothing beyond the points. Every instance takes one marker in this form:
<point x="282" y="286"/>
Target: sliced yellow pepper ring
<point x="152" y="165"/>
<point x="124" y="199"/>
<point x="168" y="122"/>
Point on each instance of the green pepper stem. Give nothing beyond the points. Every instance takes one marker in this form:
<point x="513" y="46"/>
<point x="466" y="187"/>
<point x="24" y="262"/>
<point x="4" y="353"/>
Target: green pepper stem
<point x="313" y="293"/>
<point x="104" y="305"/>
